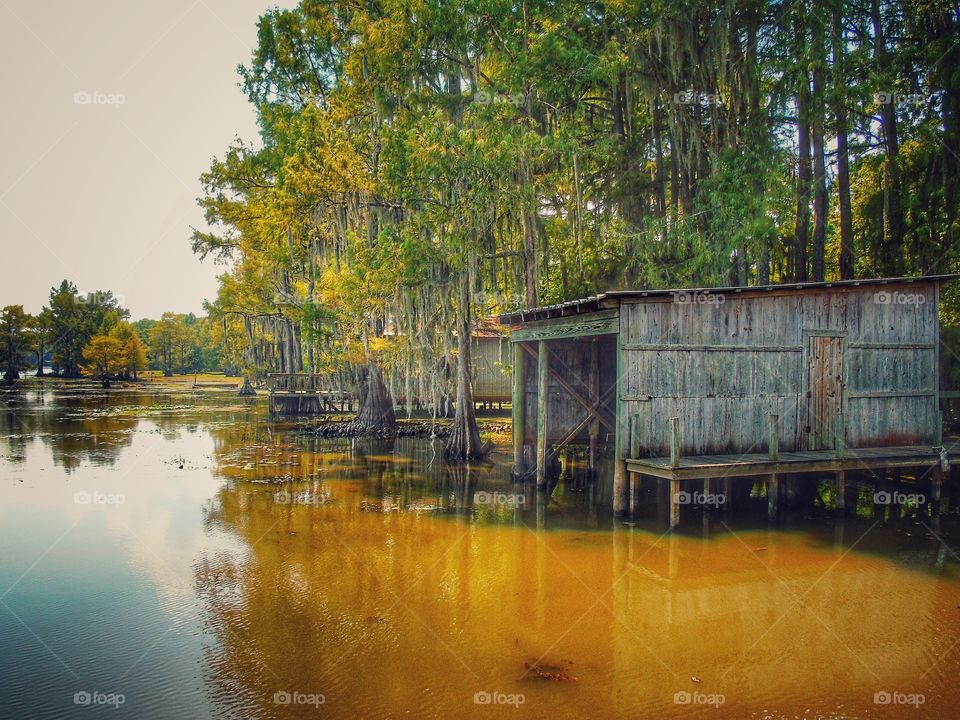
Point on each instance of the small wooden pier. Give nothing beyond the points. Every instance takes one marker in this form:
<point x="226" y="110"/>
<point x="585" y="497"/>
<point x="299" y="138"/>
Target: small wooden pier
<point x="927" y="461"/>
<point x="305" y="394"/>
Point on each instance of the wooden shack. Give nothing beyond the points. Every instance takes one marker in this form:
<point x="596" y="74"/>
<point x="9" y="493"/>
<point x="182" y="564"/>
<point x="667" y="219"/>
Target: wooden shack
<point x="723" y="382"/>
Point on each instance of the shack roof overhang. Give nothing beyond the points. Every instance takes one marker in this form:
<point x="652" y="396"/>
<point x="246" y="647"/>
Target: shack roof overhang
<point x="612" y="298"/>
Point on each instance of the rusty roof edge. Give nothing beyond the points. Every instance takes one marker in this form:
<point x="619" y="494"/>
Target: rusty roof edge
<point x="530" y="315"/>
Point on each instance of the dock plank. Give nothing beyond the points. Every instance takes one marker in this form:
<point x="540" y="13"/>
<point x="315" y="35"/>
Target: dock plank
<point x="707" y="466"/>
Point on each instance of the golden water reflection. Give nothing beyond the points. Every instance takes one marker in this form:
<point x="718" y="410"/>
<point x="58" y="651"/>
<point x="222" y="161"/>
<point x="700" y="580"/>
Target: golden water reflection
<point x="406" y="613"/>
<point x="260" y="569"/>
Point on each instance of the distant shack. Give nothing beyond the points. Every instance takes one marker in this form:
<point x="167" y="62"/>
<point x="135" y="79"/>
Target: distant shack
<point x="491" y="355"/>
<point x="723" y="382"/>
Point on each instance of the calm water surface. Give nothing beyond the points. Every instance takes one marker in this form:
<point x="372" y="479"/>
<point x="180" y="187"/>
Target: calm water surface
<point x="184" y="552"/>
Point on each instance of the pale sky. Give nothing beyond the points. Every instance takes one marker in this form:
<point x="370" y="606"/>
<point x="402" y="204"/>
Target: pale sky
<point x="101" y="188"/>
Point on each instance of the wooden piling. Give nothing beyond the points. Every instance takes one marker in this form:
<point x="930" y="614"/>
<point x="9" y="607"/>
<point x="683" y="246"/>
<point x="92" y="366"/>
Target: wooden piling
<point x="773" y="496"/>
<point x="634" y="481"/>
<point x="773" y="441"/>
<point x="841" y="491"/>
<point x="674" y="503"/>
<point x="936" y="483"/>
<point x="594" y="427"/>
<point x="838" y="442"/>
<point x="674" y="441"/>
<point x="519" y="406"/>
<point x="543" y="407"/>
<point x="620" y="489"/>
<point x="634" y="436"/>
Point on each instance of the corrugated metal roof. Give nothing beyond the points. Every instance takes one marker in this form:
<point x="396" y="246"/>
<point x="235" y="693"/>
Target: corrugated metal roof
<point x="596" y="302"/>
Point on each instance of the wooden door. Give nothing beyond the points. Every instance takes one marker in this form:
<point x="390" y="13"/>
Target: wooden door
<point x="824" y="395"/>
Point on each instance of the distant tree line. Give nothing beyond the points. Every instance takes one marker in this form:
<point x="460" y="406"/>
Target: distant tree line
<point x="91" y="335"/>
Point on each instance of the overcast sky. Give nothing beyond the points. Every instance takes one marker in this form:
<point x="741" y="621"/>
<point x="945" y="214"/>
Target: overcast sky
<point x="111" y="110"/>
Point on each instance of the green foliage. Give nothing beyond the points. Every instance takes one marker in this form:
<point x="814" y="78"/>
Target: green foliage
<point x="536" y="152"/>
<point x="14" y="340"/>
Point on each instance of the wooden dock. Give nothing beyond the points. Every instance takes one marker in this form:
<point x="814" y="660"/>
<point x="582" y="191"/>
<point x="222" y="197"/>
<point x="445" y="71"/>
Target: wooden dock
<point x="305" y="394"/>
<point x="932" y="461"/>
<point x="810" y="461"/>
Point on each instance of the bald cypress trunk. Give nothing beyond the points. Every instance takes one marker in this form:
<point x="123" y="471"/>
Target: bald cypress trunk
<point x="802" y="236"/>
<point x="376" y="412"/>
<point x="843" y="163"/>
<point x="818" y="111"/>
<point x="889" y="260"/>
<point x="464" y="442"/>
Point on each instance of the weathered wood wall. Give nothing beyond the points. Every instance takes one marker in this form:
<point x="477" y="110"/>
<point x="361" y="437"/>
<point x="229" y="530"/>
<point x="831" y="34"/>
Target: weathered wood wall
<point x="722" y="366"/>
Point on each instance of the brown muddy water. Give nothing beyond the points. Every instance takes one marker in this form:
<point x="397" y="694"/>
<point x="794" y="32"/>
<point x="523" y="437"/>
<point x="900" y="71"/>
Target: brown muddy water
<point x="172" y="554"/>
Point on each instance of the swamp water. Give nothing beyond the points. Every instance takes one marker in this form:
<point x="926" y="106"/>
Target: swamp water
<point x="168" y="553"/>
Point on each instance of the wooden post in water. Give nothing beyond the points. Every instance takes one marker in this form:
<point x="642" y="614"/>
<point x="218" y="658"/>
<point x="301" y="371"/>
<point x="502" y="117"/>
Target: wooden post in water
<point x="594" y="428"/>
<point x="543" y="406"/>
<point x="620" y="490"/>
<point x="841" y="491"/>
<point x="773" y="496"/>
<point x="674" y="441"/>
<point x="633" y="480"/>
<point x="634" y="436"/>
<point x="838" y="436"/>
<point x="674" y="503"/>
<point x="773" y="442"/>
<point x="936" y="482"/>
<point x="519" y="407"/>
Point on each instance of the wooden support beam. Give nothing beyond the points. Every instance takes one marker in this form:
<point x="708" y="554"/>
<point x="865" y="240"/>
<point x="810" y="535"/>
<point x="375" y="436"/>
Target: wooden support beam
<point x="543" y="407"/>
<point x="841" y="491"/>
<point x="838" y="443"/>
<point x="773" y="440"/>
<point x="773" y="496"/>
<point x="674" y="503"/>
<point x="594" y="430"/>
<point x="674" y="441"/>
<point x="593" y="409"/>
<point x="519" y="408"/>
<point x="936" y="483"/>
<point x="620" y="502"/>
<point x="634" y="436"/>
